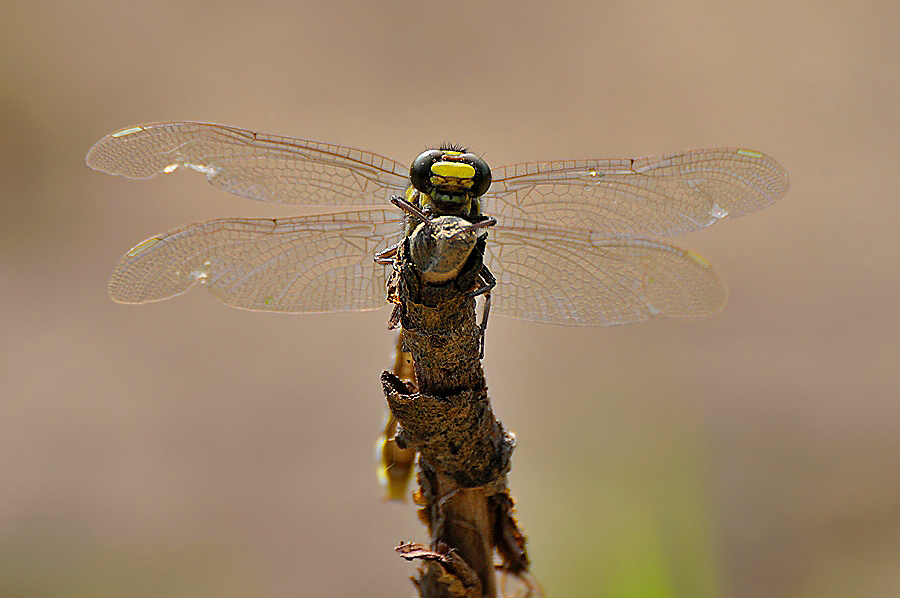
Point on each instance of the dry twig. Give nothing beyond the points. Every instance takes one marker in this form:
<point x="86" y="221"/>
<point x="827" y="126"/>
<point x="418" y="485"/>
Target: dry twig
<point x="464" y="450"/>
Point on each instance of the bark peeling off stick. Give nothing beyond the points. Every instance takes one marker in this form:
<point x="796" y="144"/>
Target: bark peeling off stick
<point x="458" y="435"/>
<point x="443" y="571"/>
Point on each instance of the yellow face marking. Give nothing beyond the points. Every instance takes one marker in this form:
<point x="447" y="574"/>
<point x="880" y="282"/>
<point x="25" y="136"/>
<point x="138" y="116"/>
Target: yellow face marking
<point x="457" y="170"/>
<point x="451" y="184"/>
<point x="142" y="246"/>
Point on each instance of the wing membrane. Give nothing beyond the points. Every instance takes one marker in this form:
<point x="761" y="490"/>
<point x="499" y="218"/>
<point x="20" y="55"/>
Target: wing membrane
<point x="570" y="247"/>
<point x="563" y="277"/>
<point x="318" y="263"/>
<point x="253" y="165"/>
<point x="652" y="196"/>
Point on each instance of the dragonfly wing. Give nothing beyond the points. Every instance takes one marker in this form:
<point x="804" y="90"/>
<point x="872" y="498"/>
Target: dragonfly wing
<point x="253" y="165"/>
<point x="306" y="264"/>
<point x="652" y="196"/>
<point x="564" y="277"/>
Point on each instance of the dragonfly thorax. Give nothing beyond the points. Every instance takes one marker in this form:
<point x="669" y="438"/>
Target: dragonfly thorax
<point x="441" y="247"/>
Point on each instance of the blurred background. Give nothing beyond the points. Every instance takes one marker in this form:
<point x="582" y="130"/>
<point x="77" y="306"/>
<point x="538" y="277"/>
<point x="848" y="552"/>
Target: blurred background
<point x="189" y="449"/>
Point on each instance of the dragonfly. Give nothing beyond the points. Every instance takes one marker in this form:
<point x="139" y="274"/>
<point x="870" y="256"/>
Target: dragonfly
<point x="576" y="242"/>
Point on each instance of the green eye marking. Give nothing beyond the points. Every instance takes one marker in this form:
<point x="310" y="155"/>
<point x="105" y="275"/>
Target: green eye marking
<point x="750" y="153"/>
<point x="143" y="246"/>
<point x="125" y="132"/>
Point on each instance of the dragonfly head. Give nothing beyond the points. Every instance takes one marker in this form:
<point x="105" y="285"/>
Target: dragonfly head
<point x="450" y="175"/>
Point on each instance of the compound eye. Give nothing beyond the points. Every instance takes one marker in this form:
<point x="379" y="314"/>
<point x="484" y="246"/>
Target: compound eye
<point x="420" y="171"/>
<point x="481" y="182"/>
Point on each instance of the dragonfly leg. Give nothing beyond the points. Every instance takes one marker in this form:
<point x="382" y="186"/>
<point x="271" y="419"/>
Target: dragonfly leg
<point x="482" y="328"/>
<point x="487" y="222"/>
<point x="385" y="257"/>
<point x="488" y="282"/>
<point x="396" y="314"/>
<point x="409" y="208"/>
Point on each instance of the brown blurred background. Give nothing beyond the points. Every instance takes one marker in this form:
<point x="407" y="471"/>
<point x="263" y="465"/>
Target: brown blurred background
<point x="189" y="449"/>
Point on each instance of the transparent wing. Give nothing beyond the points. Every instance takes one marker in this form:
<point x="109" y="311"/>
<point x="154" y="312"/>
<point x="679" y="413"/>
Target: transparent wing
<point x="253" y="165"/>
<point x="636" y="197"/>
<point x="572" y="278"/>
<point x="318" y="263"/>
